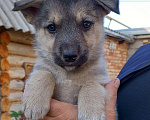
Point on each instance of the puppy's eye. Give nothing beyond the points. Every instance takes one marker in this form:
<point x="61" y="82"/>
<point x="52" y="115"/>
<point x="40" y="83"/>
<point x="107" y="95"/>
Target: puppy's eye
<point x="87" y="24"/>
<point x="51" y="28"/>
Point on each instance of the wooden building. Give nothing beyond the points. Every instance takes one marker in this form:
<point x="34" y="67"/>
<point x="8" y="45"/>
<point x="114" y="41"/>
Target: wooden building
<point x="17" y="55"/>
<point x="16" y="58"/>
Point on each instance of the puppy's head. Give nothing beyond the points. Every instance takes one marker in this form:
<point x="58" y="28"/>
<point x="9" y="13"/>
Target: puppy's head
<point x="69" y="32"/>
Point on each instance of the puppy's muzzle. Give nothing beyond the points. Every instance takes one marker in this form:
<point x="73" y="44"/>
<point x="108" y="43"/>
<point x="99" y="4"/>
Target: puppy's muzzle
<point x="69" y="56"/>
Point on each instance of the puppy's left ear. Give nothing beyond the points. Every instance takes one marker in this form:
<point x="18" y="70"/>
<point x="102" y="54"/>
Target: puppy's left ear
<point x="110" y="5"/>
<point x="29" y="8"/>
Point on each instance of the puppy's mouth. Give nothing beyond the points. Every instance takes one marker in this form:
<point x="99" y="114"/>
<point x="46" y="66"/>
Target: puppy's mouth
<point x="70" y="63"/>
<point x="69" y="68"/>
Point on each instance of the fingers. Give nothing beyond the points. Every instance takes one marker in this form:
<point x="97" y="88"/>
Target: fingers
<point x="59" y="109"/>
<point x="52" y="118"/>
<point x="62" y="111"/>
<point x="48" y="118"/>
<point x="56" y="108"/>
<point x="112" y="89"/>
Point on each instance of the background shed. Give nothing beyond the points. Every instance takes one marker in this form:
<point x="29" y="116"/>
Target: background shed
<point x="17" y="55"/>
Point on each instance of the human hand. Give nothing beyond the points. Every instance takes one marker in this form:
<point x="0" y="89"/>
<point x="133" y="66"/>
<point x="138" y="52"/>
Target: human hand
<point x="62" y="111"/>
<point x="66" y="111"/>
<point x="112" y="88"/>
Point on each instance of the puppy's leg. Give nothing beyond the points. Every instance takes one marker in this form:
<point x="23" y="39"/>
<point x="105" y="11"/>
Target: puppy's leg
<point x="38" y="92"/>
<point x="91" y="102"/>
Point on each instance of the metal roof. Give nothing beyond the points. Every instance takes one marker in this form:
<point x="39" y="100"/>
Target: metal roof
<point x="117" y="34"/>
<point x="135" y="31"/>
<point x="10" y="19"/>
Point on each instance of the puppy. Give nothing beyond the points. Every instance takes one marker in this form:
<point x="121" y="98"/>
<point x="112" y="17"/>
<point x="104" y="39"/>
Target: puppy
<point x="70" y="66"/>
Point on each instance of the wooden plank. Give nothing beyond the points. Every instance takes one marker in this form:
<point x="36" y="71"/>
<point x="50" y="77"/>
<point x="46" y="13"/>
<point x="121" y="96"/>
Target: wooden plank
<point x="16" y="72"/>
<point x="20" y="37"/>
<point x="4" y="116"/>
<point x="3" y="51"/>
<point x="15" y="107"/>
<point x="20" y="49"/>
<point x="15" y="96"/>
<point x="4" y="78"/>
<point x="15" y="60"/>
<point x="28" y="69"/>
<point x="4" y="38"/>
<point x="4" y="64"/>
<point x="5" y="104"/>
<point x="4" y="91"/>
<point x="14" y="102"/>
<point x="16" y="85"/>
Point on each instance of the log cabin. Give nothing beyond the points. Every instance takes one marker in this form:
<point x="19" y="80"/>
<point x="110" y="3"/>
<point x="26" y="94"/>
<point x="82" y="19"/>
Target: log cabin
<point x="16" y="61"/>
<point x="17" y="56"/>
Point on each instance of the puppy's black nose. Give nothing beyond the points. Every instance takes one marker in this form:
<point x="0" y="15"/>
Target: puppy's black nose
<point x="69" y="56"/>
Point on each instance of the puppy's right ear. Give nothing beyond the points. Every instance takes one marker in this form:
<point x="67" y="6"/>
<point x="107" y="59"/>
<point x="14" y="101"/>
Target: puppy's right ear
<point x="29" y="8"/>
<point x="110" y="5"/>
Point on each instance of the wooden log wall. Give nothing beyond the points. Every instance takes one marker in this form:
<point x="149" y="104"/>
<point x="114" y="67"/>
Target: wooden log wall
<point x="5" y="102"/>
<point x="15" y="50"/>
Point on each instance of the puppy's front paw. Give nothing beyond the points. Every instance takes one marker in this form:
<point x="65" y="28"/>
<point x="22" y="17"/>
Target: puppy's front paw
<point x="35" y="107"/>
<point x="87" y="115"/>
<point x="103" y="116"/>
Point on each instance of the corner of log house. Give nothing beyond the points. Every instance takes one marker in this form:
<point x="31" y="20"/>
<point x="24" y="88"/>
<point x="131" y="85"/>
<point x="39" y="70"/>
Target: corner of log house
<point x="15" y="50"/>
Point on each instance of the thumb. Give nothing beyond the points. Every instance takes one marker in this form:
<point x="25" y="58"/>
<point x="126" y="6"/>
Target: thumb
<point x="112" y="88"/>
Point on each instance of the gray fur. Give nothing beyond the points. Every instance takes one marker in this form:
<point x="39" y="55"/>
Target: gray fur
<point x="81" y="82"/>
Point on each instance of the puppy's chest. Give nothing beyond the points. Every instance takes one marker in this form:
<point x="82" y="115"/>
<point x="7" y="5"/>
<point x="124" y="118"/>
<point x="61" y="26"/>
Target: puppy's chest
<point x="67" y="91"/>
